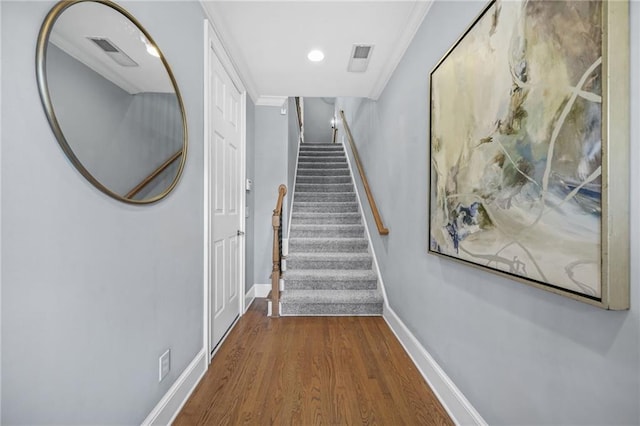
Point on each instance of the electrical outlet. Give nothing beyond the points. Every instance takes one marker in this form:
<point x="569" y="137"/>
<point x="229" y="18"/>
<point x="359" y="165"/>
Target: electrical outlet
<point x="164" y="364"/>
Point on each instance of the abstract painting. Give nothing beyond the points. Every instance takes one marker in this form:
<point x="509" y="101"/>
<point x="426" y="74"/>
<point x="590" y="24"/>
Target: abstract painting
<point x="518" y="146"/>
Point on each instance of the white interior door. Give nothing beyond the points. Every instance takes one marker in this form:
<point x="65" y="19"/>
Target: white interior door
<point x="225" y="201"/>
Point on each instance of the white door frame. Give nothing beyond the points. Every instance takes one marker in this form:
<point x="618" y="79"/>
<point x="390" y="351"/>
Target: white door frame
<point x="211" y="40"/>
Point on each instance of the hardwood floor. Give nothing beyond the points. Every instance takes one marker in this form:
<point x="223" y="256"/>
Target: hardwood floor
<point x="311" y="371"/>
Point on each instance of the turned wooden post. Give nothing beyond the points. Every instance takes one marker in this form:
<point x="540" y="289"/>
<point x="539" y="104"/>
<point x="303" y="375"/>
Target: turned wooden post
<point x="275" y="273"/>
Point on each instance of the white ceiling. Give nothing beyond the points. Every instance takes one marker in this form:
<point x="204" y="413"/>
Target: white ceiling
<point x="268" y="42"/>
<point x="88" y="19"/>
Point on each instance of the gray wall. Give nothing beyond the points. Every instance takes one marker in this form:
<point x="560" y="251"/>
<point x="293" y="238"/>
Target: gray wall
<point x="270" y="171"/>
<point x="0" y="215"/>
<point x="250" y="211"/>
<point x="93" y="290"/>
<point x="118" y="137"/>
<point x="318" y="113"/>
<point x="519" y="354"/>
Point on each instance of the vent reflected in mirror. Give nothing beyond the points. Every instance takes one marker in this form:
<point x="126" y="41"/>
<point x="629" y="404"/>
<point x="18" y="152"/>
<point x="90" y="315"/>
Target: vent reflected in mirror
<point x="111" y="100"/>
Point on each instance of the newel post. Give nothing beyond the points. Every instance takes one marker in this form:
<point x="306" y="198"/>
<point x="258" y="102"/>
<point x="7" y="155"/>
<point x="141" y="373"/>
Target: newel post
<point x="275" y="273"/>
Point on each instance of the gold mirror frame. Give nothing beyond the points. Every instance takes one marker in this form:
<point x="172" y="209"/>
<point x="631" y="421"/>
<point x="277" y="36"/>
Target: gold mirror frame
<point x="45" y="97"/>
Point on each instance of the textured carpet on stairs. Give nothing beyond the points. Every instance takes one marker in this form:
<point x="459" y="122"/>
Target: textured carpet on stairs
<point x="329" y="265"/>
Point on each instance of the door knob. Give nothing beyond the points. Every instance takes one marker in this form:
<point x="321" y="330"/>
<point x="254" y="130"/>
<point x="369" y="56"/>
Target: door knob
<point x="240" y="233"/>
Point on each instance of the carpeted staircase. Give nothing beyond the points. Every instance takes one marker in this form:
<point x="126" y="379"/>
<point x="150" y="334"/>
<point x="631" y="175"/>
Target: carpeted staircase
<point x="329" y="267"/>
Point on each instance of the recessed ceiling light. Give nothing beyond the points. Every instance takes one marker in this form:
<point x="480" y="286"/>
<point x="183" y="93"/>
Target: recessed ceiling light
<point x="315" y="56"/>
<point x="151" y="49"/>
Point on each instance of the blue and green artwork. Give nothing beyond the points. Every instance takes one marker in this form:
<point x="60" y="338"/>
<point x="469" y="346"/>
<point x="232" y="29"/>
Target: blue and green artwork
<point x="516" y="144"/>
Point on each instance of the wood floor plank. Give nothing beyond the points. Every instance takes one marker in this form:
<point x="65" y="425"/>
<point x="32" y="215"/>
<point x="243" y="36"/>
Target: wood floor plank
<point x="311" y="371"/>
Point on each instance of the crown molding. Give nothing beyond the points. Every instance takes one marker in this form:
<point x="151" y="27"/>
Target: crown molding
<point x="274" y="101"/>
<point x="229" y="50"/>
<point x="420" y="10"/>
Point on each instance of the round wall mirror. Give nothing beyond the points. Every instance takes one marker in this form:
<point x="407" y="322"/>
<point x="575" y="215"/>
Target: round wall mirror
<point x="111" y="100"/>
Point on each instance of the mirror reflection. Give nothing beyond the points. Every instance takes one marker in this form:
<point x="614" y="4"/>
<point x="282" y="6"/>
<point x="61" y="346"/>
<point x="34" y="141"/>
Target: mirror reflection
<point x="112" y="101"/>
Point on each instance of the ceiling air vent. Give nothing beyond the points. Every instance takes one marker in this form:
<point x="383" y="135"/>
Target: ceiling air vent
<point x="113" y="51"/>
<point x="359" y="60"/>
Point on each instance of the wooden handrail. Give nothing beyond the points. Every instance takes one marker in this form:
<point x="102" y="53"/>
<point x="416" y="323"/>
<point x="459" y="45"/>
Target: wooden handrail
<point x="299" y="111"/>
<point x="153" y="175"/>
<point x="374" y="208"/>
<point x="300" y="114"/>
<point x="276" y="221"/>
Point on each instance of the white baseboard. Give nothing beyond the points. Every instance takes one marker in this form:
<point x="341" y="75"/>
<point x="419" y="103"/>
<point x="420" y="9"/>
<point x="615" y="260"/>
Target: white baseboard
<point x="262" y="290"/>
<point x="248" y="298"/>
<point x="458" y="407"/>
<point x="256" y="290"/>
<point x="171" y="403"/>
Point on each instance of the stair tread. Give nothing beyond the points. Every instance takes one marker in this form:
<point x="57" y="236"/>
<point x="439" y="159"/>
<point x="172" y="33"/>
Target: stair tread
<point x="315" y="170"/>
<point x="304" y="163"/>
<point x="330" y="274"/>
<point x="331" y="214"/>
<point x="315" y="155"/>
<point x="331" y="296"/>
<point x="325" y="206"/>
<point x="317" y="180"/>
<point x="325" y="177"/>
<point x="327" y="245"/>
<point x="322" y="184"/>
<point x="309" y="255"/>
<point x="322" y="158"/>
<point x="327" y="226"/>
<point x="324" y="172"/>
<point x="311" y="218"/>
<point x="324" y="215"/>
<point x="306" y="203"/>
<point x="328" y="239"/>
<point x="315" y="193"/>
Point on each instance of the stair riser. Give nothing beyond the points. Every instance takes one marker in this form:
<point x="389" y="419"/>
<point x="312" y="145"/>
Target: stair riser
<point x="321" y="180"/>
<point x="319" y="160"/>
<point x="326" y="233"/>
<point x="305" y="148"/>
<point x="358" y="263"/>
<point x="330" y="285"/>
<point x="313" y="154"/>
<point x="346" y="187"/>
<point x="324" y="172"/>
<point x="326" y="220"/>
<point x="323" y="165"/>
<point x="310" y="246"/>
<point x="332" y="154"/>
<point x="368" y="309"/>
<point x="319" y="197"/>
<point x="325" y="208"/>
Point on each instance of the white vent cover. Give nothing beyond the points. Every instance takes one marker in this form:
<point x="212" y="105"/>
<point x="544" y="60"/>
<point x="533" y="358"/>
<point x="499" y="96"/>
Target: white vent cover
<point x="113" y="51"/>
<point x="360" y="55"/>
